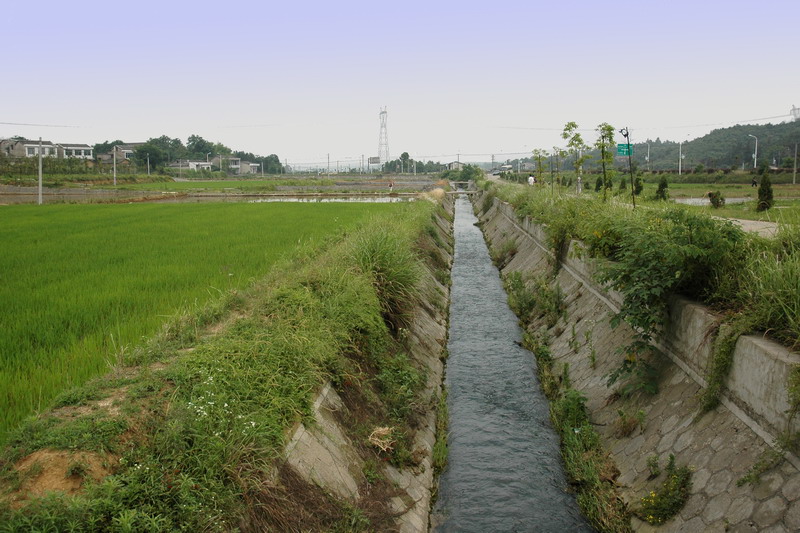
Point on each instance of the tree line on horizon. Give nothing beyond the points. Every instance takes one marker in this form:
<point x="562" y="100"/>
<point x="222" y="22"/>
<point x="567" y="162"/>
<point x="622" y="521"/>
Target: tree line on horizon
<point x="163" y="150"/>
<point x="725" y="149"/>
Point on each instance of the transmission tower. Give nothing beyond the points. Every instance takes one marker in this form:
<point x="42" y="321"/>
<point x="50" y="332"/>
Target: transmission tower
<point x="795" y="113"/>
<point x="383" y="139"/>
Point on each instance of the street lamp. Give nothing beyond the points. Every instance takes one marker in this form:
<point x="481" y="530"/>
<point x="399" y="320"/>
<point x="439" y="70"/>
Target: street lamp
<point x="755" y="153"/>
<point x="625" y="133"/>
<point x="208" y="154"/>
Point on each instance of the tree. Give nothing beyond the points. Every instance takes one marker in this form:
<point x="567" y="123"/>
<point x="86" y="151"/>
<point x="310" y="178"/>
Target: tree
<point x="559" y="153"/>
<point x="157" y="155"/>
<point x="539" y="155"/>
<point x="404" y="159"/>
<point x="272" y="164"/>
<point x="173" y="147"/>
<point x="598" y="185"/>
<point x="105" y="147"/>
<point x="198" y="147"/>
<point x="575" y="145"/>
<point x="638" y="186"/>
<point x="765" y="198"/>
<point x="605" y="143"/>
<point x="662" y="193"/>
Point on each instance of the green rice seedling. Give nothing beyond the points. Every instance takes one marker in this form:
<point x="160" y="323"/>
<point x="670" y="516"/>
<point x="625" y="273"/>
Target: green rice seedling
<point x="84" y="283"/>
<point x="217" y="415"/>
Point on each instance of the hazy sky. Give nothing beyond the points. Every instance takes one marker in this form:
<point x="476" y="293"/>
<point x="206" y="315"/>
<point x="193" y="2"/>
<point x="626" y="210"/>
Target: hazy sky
<point x="307" y="79"/>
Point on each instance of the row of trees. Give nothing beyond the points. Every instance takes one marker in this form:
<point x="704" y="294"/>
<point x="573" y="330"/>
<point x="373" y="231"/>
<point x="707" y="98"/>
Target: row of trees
<point x="160" y="151"/>
<point x="722" y="149"/>
<point x="408" y="165"/>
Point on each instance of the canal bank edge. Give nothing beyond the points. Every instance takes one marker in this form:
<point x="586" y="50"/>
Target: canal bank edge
<point x="720" y="446"/>
<point x="323" y="454"/>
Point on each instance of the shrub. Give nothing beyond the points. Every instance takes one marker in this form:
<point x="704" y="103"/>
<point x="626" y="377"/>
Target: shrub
<point x="717" y="200"/>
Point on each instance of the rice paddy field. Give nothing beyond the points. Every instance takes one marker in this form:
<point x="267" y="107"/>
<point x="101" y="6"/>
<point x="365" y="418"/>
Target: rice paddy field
<point x="81" y="284"/>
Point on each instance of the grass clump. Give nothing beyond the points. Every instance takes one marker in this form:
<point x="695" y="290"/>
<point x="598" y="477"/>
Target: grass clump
<point x="440" y="446"/>
<point x="534" y="297"/>
<point x="588" y="467"/>
<point x="502" y="255"/>
<point x="387" y="257"/>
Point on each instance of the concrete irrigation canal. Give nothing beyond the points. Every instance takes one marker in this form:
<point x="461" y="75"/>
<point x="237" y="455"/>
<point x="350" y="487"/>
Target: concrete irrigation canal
<point x="504" y="469"/>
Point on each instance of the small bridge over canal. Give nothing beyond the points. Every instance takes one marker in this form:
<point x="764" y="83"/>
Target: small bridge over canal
<point x="462" y="187"/>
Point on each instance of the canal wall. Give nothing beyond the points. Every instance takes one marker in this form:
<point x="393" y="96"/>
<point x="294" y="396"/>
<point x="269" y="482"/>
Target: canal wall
<point x="720" y="446"/>
<point x="325" y="454"/>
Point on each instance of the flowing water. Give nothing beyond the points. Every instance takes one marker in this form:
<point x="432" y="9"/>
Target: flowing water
<point x="504" y="469"/>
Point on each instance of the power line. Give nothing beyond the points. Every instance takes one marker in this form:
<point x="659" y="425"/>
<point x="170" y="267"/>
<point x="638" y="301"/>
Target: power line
<point x="37" y="125"/>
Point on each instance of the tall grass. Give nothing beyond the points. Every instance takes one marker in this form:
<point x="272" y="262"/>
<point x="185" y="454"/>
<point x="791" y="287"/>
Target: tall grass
<point x="80" y="284"/>
<point x="771" y="285"/>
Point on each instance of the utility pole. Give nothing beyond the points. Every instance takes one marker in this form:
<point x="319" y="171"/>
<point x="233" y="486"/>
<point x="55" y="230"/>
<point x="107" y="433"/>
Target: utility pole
<point x="115" y="166"/>
<point x="148" y="164"/>
<point x="40" y="170"/>
<point x="329" y="166"/>
<point x="794" y="176"/>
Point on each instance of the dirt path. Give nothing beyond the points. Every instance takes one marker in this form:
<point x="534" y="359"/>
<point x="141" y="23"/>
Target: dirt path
<point x="765" y="229"/>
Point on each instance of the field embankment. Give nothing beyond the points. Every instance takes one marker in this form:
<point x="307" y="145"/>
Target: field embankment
<point x="696" y="416"/>
<point x="190" y="430"/>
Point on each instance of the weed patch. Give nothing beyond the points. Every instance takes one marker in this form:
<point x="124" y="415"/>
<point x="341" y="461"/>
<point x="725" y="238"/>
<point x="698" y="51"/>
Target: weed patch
<point x="662" y="504"/>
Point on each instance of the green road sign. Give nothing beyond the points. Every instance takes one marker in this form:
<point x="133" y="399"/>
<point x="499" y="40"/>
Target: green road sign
<point x="622" y="149"/>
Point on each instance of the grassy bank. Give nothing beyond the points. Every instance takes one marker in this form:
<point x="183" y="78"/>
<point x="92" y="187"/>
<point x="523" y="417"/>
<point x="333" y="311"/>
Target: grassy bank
<point x="82" y="285"/>
<point x="666" y="249"/>
<point x="183" y="435"/>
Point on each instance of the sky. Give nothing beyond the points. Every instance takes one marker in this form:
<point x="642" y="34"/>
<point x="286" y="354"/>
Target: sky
<point x="459" y="80"/>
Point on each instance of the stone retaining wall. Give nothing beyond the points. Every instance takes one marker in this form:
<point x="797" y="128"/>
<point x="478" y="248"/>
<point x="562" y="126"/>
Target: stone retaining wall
<point x="720" y="446"/>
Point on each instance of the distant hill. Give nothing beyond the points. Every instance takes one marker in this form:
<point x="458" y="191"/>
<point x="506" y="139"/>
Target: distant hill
<point x="725" y="148"/>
